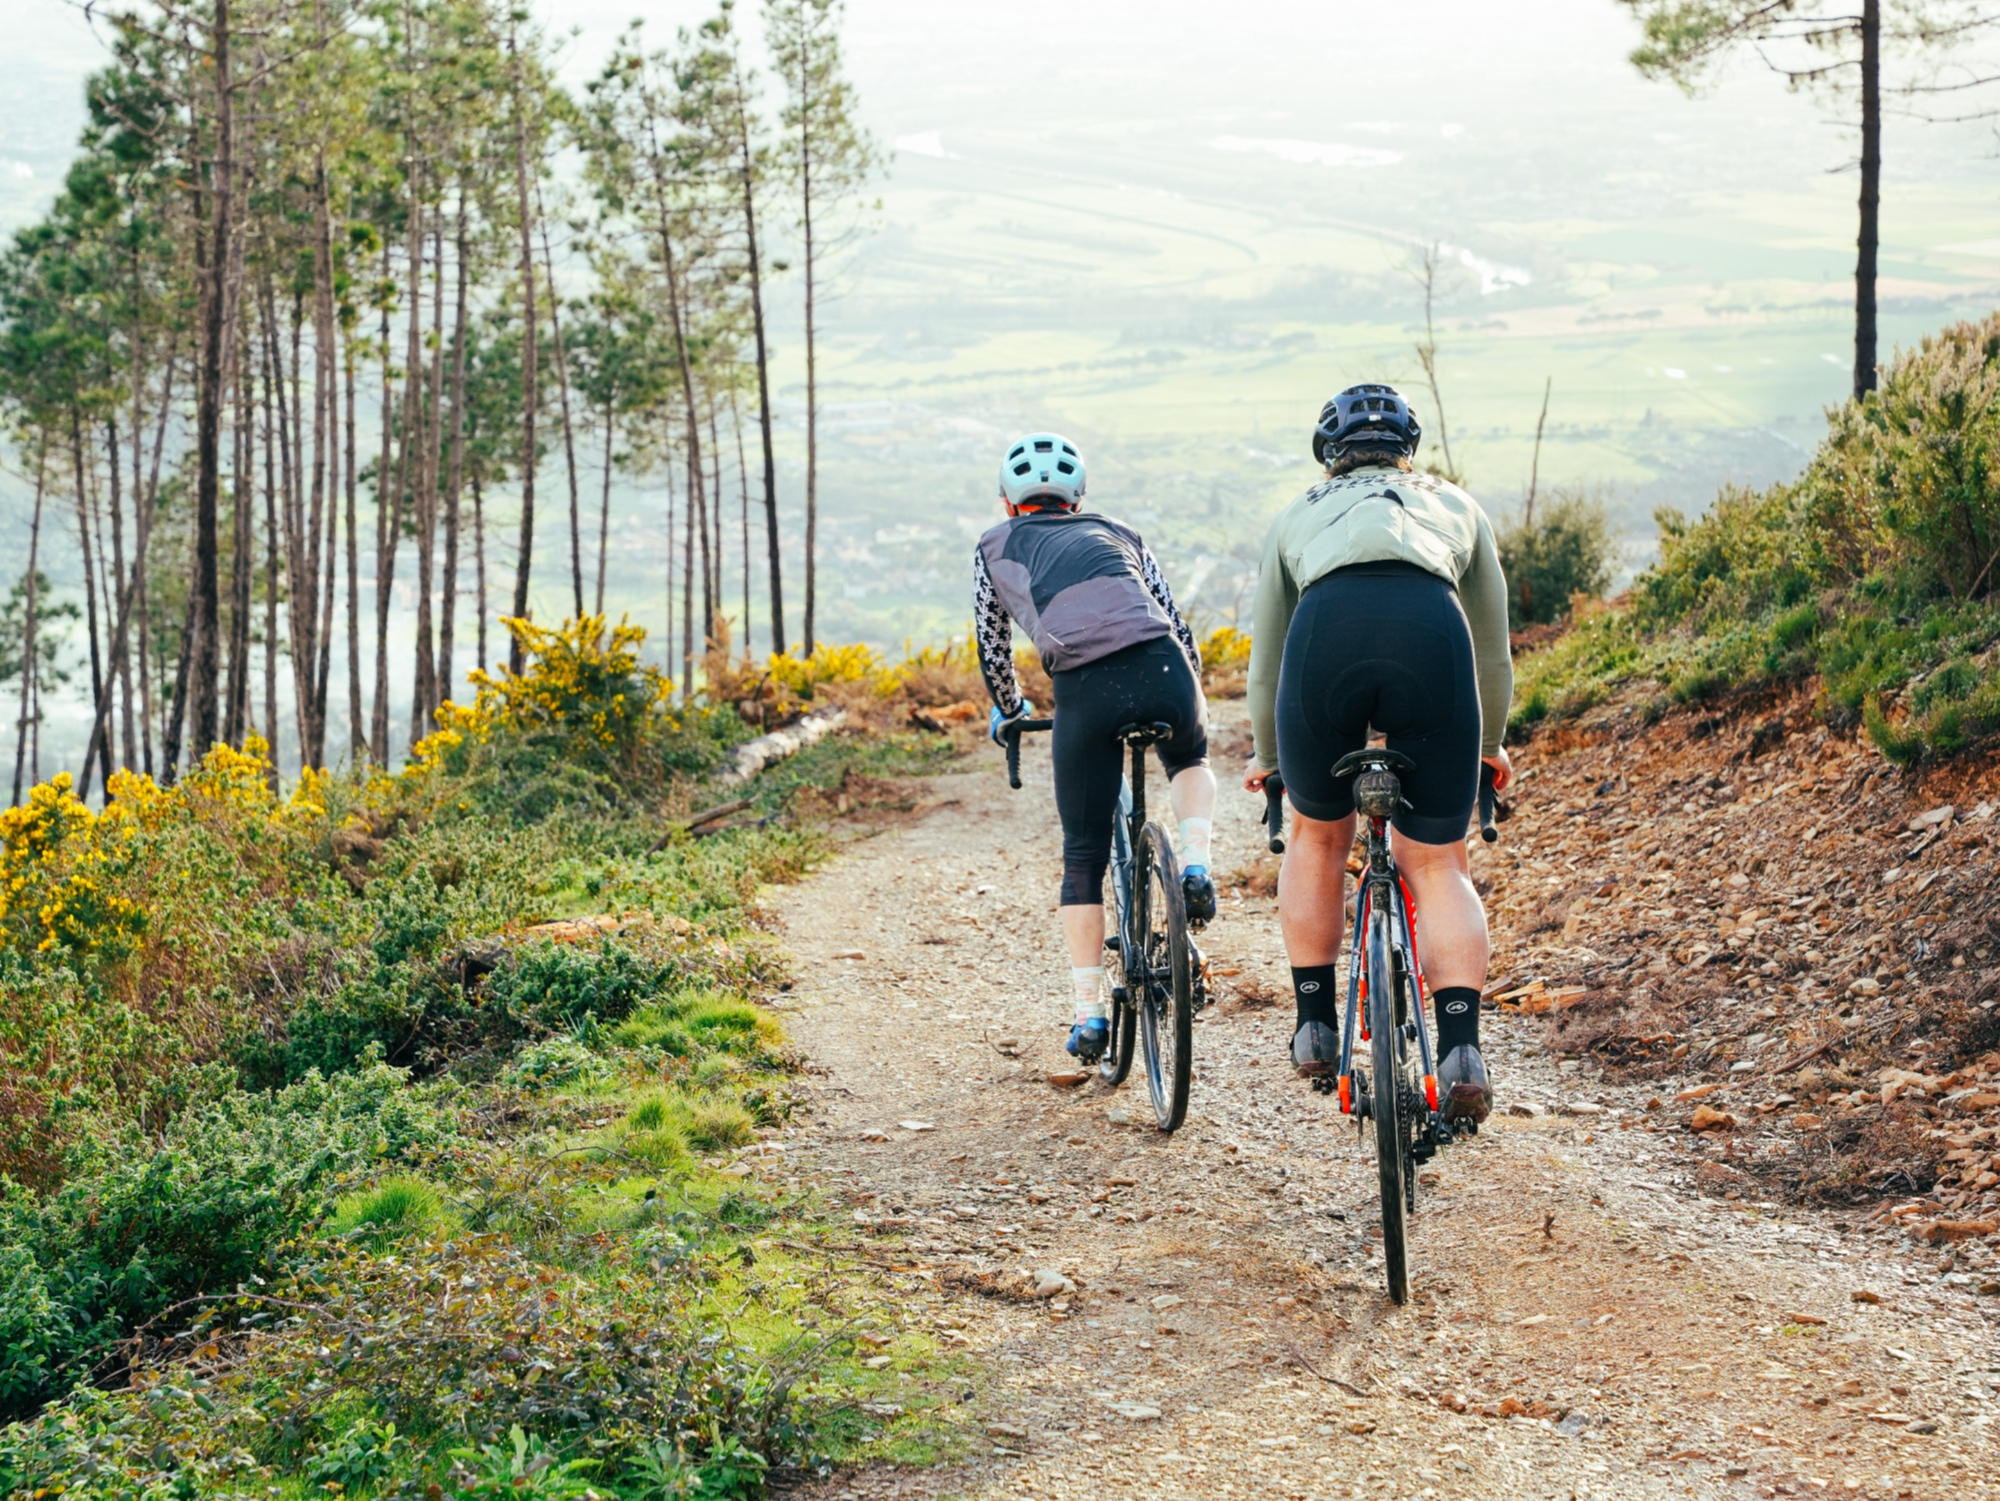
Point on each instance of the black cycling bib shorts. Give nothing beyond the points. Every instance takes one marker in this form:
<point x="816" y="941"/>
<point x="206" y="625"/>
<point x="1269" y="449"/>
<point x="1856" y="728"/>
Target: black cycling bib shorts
<point x="1144" y="684"/>
<point x="1382" y="645"/>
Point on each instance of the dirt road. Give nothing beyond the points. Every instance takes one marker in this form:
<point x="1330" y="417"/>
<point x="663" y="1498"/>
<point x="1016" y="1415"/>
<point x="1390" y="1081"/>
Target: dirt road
<point x="1587" y="1324"/>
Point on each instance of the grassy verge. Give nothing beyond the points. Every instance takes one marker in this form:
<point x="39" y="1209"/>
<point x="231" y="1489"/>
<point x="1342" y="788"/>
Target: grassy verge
<point x="1875" y="572"/>
<point x="412" y="1135"/>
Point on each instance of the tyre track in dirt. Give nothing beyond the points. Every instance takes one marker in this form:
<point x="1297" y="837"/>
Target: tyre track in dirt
<point x="1585" y="1323"/>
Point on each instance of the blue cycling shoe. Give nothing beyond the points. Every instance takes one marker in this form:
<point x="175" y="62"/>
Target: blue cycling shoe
<point x="1088" y="1040"/>
<point x="1198" y="894"/>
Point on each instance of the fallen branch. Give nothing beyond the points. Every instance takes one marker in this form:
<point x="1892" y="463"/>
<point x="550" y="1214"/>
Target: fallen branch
<point x="1300" y="1356"/>
<point x="753" y="756"/>
<point x="693" y="822"/>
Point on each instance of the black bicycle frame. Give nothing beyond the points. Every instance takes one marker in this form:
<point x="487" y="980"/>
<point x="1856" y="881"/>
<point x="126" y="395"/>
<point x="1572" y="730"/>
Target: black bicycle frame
<point x="1383" y="885"/>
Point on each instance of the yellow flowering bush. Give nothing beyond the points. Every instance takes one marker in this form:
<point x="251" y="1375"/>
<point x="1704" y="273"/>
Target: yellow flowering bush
<point x="1225" y="661"/>
<point x="582" y="681"/>
<point x="804" y="676"/>
<point x="59" y="868"/>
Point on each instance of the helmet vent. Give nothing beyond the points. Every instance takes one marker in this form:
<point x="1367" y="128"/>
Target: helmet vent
<point x="1064" y="466"/>
<point x="1023" y="467"/>
<point x="1019" y="449"/>
<point x="1043" y="445"/>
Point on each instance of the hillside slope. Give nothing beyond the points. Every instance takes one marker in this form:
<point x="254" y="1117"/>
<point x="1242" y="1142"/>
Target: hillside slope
<point x="1759" y="906"/>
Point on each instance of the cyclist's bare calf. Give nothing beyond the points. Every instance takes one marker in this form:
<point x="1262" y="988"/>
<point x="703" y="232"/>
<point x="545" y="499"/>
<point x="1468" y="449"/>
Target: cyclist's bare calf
<point x="1192" y="794"/>
<point x="1312" y="899"/>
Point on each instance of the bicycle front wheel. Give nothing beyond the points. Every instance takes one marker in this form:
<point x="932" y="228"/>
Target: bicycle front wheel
<point x="1160" y="979"/>
<point x="1387" y="1103"/>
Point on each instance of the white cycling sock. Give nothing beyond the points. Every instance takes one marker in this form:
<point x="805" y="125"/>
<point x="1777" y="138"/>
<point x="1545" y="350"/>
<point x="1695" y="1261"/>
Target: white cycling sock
<point x="1088" y="983"/>
<point x="1195" y="833"/>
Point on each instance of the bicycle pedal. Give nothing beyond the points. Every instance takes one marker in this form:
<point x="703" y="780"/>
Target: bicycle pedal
<point x="1323" y="1083"/>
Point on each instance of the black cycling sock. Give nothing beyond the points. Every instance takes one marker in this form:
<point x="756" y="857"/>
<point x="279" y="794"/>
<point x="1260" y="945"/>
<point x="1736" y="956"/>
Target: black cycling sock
<point x="1317" y="987"/>
<point x="1457" y="1017"/>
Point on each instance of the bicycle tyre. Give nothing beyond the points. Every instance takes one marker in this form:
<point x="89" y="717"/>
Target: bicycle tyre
<point x="1392" y="1138"/>
<point x="1164" y="994"/>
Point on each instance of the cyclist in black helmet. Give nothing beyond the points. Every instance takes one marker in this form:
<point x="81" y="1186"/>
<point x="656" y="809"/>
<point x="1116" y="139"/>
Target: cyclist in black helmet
<point x="1381" y="605"/>
<point x="1089" y="593"/>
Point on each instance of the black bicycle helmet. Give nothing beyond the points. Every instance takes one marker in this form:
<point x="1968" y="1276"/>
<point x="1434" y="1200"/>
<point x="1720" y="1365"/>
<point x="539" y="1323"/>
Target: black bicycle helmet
<point x="1363" y="418"/>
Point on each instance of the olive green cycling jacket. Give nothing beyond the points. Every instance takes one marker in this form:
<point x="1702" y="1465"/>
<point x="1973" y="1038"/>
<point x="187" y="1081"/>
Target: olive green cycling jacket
<point x="1373" y="515"/>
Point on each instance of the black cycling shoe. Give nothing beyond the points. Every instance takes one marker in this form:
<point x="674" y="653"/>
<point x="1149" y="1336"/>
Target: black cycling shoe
<point x="1462" y="1082"/>
<point x="1315" y="1050"/>
<point x="1198" y="894"/>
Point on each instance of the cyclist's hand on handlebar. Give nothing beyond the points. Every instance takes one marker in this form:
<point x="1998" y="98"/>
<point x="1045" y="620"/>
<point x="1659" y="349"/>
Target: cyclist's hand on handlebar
<point x="1503" y="769"/>
<point x="998" y="721"/>
<point x="1254" y="778"/>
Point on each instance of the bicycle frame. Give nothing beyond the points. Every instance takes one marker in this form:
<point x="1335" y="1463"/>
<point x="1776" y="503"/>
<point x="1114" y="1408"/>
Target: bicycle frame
<point x="1382" y="885"/>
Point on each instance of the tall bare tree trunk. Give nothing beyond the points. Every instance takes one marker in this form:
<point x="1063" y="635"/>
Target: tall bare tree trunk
<point x="743" y="483"/>
<point x="388" y="522"/>
<point x="423" y="687"/>
<point x="604" y="508"/>
<point x="121" y="669"/>
<point x="479" y="563"/>
<point x="97" y="687"/>
<point x="569" y="429"/>
<point x="1871" y="197"/>
<point x="242" y="495"/>
<point x="272" y="378"/>
<point x="530" y="383"/>
<point x="747" y="172"/>
<point x="218" y="316"/>
<point x="448" y="623"/>
<point x="812" y="394"/>
<point x="357" y="734"/>
<point x="29" y="620"/>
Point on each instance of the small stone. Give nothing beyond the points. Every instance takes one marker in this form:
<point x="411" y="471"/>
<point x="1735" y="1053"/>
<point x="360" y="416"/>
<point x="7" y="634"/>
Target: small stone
<point x="1167" y="1300"/>
<point x="1851" y="1387"/>
<point x="878" y="1362"/>
<point x="1803" y="1318"/>
<point x="1922" y="1425"/>
<point x="1070" y="1080"/>
<point x="1989" y="1289"/>
<point x="1006" y="1430"/>
<point x="1524" y="1108"/>
<point x="1118" y="1117"/>
<point x="1581" y="1107"/>
<point x="1138" y="1412"/>
<point x="917" y="1125"/>
<point x="850" y="954"/>
<point x="1863" y="1295"/>
<point x="1955" y="1230"/>
<point x="1359" y="1426"/>
<point x="1743" y="1067"/>
<point x="1530" y="1321"/>
<point x="1572" y="1425"/>
<point x="1695" y="1093"/>
<point x="1866" y="985"/>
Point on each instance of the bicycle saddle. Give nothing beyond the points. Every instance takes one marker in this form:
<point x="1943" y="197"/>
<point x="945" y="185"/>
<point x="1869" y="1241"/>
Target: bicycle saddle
<point x="1372" y="758"/>
<point x="1144" y="734"/>
<point x="1377" y="792"/>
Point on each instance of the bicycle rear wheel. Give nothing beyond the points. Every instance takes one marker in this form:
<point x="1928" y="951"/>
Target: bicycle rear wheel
<point x="1388" y="1104"/>
<point x="1160" y="979"/>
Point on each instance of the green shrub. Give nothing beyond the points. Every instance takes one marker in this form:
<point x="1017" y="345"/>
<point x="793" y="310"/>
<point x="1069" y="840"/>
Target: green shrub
<point x="142" y="1224"/>
<point x="363" y="1456"/>
<point x="555" y="1063"/>
<point x="551" y="986"/>
<point x="1562" y="551"/>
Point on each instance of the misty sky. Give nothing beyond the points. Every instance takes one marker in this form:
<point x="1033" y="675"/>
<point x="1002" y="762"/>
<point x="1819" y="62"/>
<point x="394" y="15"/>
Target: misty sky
<point x="1172" y="229"/>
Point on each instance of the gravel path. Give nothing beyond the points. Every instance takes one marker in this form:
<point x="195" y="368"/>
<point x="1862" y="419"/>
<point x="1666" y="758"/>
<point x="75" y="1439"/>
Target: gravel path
<point x="1586" y="1324"/>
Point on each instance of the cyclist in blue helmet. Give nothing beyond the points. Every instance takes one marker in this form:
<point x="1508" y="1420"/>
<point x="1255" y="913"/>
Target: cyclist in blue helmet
<point x="1090" y="595"/>
<point x="1381" y="605"/>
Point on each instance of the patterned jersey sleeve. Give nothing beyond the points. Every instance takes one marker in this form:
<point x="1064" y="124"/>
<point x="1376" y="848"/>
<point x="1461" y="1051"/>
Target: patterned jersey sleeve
<point x="994" y="629"/>
<point x="1156" y="581"/>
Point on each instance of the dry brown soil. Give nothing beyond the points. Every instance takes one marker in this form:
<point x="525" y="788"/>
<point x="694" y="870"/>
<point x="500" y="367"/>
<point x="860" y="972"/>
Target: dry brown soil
<point x="1589" y="1321"/>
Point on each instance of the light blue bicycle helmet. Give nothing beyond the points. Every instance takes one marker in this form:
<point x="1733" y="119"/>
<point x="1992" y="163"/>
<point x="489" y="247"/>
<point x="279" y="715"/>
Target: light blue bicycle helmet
<point x="1042" y="469"/>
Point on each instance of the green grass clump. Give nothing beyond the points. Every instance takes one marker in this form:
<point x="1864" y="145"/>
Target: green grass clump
<point x="1875" y="571"/>
<point x="398" y="1206"/>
